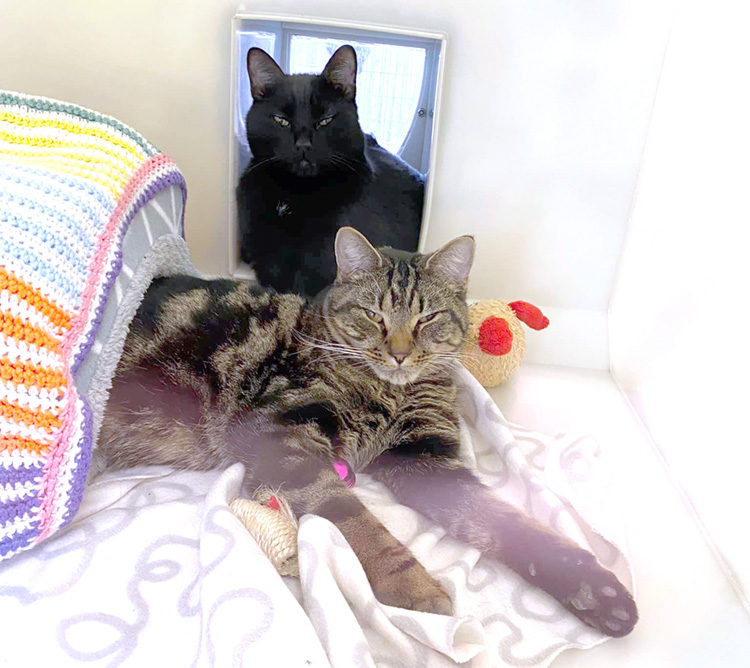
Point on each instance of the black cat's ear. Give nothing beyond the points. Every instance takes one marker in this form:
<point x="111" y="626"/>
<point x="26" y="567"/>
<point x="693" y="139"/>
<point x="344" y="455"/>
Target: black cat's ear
<point x="263" y="71"/>
<point x="453" y="261"/>
<point x="354" y="255"/>
<point x="341" y="71"/>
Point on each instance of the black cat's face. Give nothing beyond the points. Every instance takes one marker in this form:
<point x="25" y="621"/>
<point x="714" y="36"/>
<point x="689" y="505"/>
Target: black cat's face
<point x="304" y="123"/>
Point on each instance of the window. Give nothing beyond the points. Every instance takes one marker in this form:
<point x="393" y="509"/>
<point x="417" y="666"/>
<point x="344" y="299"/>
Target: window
<point x="396" y="80"/>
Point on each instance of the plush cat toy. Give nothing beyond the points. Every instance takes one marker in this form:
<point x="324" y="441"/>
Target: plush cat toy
<point x="496" y="343"/>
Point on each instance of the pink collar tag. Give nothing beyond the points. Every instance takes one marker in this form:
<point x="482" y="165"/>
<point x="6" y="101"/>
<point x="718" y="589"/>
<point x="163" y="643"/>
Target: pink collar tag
<point x="344" y="471"/>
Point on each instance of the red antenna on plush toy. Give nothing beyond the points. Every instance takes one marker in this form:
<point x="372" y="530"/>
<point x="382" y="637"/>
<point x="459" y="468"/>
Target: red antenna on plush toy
<point x="530" y="315"/>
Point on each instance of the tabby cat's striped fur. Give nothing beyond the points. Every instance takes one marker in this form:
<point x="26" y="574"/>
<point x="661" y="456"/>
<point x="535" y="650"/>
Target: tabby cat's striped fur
<point x="219" y="371"/>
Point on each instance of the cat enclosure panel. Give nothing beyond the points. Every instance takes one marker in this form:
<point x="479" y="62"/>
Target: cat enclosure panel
<point x="398" y="77"/>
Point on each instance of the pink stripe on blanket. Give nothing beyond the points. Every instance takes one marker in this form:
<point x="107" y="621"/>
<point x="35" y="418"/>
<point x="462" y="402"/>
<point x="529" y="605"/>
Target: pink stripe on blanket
<point x="96" y="273"/>
<point x="59" y="452"/>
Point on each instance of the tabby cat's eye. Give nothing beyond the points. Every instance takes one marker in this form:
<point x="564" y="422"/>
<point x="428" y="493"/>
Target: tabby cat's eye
<point x="325" y="121"/>
<point x="427" y="319"/>
<point x="375" y="317"/>
<point x="281" y="121"/>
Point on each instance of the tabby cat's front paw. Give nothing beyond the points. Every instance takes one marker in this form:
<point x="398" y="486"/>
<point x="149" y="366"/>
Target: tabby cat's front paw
<point x="408" y="585"/>
<point x="588" y="590"/>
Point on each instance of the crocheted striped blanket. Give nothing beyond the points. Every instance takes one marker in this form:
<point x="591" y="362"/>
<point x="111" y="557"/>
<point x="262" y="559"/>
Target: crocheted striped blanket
<point x="71" y="180"/>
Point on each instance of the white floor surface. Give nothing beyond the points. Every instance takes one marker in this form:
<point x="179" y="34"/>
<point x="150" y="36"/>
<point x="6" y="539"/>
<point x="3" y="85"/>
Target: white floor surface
<point x="690" y="617"/>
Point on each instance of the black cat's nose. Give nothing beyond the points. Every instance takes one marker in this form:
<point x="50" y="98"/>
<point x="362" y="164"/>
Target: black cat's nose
<point x="303" y="143"/>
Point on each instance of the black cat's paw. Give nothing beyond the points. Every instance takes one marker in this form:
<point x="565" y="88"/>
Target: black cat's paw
<point x="588" y="590"/>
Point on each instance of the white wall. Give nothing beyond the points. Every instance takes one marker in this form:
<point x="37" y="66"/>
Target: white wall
<point x="545" y="111"/>
<point x="680" y="321"/>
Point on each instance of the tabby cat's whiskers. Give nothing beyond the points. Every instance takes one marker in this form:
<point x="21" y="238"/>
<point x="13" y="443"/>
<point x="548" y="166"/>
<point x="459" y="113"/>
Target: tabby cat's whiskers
<point x="343" y="351"/>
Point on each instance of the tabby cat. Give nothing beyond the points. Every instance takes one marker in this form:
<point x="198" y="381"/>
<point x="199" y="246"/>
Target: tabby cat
<point x="314" y="171"/>
<point x="216" y="371"/>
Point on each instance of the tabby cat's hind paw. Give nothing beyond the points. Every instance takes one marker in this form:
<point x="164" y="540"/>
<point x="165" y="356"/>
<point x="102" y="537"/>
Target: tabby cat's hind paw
<point x="588" y="590"/>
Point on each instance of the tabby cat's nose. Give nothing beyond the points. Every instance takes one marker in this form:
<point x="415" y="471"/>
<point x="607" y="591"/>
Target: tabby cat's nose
<point x="399" y="357"/>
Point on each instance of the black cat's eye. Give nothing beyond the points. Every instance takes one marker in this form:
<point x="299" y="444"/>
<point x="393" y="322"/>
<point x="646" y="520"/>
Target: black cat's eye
<point x="324" y="121"/>
<point x="281" y="121"/>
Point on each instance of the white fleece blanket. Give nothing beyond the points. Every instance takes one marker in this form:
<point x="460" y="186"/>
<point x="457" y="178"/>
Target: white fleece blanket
<point x="155" y="570"/>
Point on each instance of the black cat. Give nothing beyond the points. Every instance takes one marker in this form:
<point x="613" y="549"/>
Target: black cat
<point x="314" y="171"/>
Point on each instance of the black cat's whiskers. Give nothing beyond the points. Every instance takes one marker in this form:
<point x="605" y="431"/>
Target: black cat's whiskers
<point x="340" y="159"/>
<point x="254" y="165"/>
<point x="332" y="160"/>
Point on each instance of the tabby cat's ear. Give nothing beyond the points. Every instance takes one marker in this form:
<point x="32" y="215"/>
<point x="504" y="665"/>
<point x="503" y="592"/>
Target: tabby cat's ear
<point x="453" y="261"/>
<point x="263" y="71"/>
<point x="341" y="71"/>
<point x="354" y="255"/>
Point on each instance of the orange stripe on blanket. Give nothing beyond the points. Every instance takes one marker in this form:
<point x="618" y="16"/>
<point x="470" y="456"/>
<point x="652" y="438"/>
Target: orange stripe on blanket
<point x="13" y="444"/>
<point x="31" y="417"/>
<point x="30" y="375"/>
<point x="21" y="330"/>
<point x="17" y="286"/>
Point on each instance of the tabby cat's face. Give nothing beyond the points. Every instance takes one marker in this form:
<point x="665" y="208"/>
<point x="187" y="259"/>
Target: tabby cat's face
<point x="305" y="124"/>
<point x="401" y="315"/>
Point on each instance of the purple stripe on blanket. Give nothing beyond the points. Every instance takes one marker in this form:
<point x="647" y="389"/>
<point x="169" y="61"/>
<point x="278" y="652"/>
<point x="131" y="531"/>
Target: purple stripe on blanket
<point x="15" y="508"/>
<point x="18" y="475"/>
<point x="82" y="460"/>
<point x="20" y="540"/>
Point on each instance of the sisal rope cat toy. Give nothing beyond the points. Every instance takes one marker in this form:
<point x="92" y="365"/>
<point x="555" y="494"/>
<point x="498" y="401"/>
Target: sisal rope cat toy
<point x="271" y="522"/>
